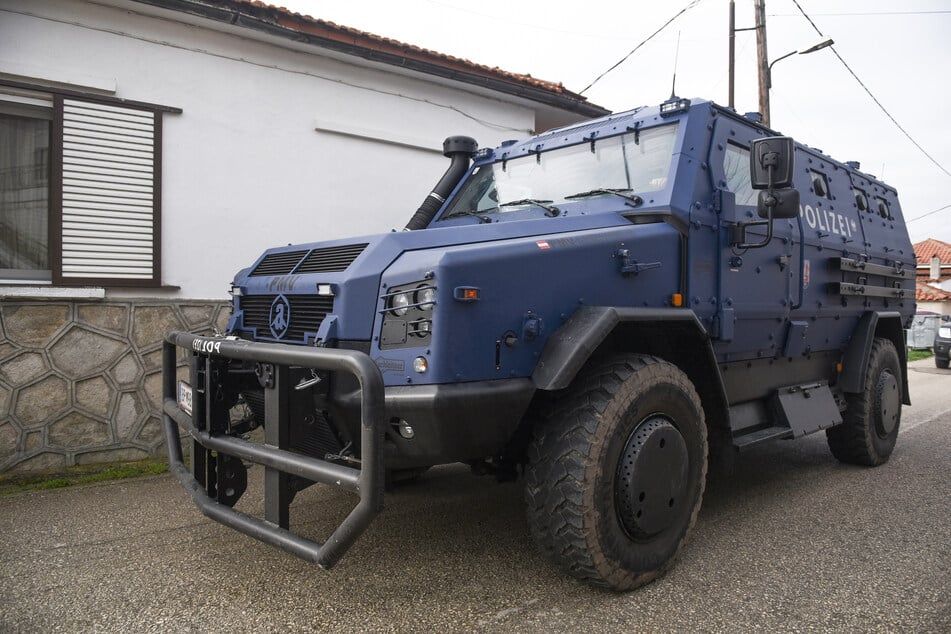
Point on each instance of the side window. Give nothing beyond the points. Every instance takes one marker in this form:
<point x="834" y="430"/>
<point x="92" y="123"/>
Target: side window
<point x="820" y="184"/>
<point x="79" y="190"/>
<point x="25" y="139"/>
<point x="736" y="168"/>
<point x="861" y="199"/>
<point x="882" y="206"/>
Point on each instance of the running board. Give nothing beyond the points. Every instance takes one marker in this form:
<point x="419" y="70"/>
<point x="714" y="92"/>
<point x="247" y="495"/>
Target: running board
<point x="761" y="435"/>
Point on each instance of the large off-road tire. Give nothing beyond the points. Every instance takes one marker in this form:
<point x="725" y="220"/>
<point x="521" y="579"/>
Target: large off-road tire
<point x="941" y="364"/>
<point x="616" y="472"/>
<point x="870" y="423"/>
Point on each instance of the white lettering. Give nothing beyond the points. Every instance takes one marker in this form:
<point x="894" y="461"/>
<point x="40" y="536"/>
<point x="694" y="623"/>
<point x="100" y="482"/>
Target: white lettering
<point x="810" y="216"/>
<point x="203" y="345"/>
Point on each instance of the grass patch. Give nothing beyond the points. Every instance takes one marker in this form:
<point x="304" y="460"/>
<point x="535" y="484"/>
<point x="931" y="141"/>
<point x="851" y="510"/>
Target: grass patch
<point x="81" y="474"/>
<point x="917" y="355"/>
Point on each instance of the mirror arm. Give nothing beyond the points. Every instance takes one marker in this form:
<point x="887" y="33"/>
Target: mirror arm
<point x="741" y="227"/>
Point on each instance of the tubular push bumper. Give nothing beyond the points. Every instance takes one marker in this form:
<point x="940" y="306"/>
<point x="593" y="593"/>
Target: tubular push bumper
<point x="367" y="481"/>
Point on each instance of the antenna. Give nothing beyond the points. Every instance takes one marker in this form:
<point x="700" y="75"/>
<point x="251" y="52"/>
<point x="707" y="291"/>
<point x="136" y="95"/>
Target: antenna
<point x="673" y="84"/>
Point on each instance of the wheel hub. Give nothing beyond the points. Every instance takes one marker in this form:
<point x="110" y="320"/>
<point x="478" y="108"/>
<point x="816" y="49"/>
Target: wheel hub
<point x="651" y="479"/>
<point x="888" y="401"/>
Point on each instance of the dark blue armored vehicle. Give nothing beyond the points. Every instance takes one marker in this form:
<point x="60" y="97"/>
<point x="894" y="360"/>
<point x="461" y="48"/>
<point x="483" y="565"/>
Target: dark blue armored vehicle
<point x="591" y="308"/>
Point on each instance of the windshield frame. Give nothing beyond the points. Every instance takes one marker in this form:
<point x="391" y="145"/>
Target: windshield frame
<point x="637" y="162"/>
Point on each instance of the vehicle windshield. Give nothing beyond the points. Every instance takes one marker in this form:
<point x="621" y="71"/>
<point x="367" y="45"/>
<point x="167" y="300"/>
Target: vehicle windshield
<point x="634" y="162"/>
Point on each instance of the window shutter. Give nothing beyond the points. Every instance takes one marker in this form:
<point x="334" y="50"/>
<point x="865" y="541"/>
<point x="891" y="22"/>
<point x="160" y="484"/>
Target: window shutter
<point x="109" y="222"/>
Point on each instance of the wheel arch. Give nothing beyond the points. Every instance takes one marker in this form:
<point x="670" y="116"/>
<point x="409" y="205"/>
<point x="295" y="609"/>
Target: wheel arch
<point x="883" y="324"/>
<point x="675" y="335"/>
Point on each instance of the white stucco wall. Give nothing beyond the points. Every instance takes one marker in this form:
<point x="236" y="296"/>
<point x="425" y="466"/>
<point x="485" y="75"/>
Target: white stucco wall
<point x="245" y="166"/>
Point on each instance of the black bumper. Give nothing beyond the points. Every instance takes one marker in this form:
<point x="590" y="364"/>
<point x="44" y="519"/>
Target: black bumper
<point x="215" y="502"/>
<point x="452" y="423"/>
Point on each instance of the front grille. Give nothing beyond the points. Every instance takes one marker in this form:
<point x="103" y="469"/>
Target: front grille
<point x="331" y="259"/>
<point x="278" y="263"/>
<point x="307" y="312"/>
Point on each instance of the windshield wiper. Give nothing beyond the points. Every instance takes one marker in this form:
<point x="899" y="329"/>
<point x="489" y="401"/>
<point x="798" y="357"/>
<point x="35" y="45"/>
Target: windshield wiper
<point x="622" y="192"/>
<point x="550" y="210"/>
<point x="475" y="214"/>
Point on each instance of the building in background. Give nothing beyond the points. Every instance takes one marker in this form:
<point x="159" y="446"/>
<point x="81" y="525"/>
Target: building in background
<point x="150" y="149"/>
<point x="933" y="289"/>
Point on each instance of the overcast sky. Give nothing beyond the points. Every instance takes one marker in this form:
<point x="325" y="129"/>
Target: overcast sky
<point x="900" y="50"/>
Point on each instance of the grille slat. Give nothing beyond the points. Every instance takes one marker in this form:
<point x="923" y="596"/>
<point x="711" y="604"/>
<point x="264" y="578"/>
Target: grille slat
<point x="307" y="313"/>
<point x="331" y="259"/>
<point x="278" y="263"/>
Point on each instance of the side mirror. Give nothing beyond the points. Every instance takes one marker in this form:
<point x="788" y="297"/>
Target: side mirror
<point x="772" y="160"/>
<point x="771" y="168"/>
<point x="784" y="203"/>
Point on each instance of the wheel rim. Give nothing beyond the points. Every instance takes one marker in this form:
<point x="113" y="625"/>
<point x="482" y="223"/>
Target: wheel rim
<point x="888" y="399"/>
<point x="651" y="482"/>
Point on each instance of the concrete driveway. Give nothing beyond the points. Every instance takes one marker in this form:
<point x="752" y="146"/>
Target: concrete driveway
<point x="790" y="540"/>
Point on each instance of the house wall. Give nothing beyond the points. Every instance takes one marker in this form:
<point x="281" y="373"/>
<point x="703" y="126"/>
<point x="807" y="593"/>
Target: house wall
<point x="273" y="146"/>
<point x="940" y="308"/>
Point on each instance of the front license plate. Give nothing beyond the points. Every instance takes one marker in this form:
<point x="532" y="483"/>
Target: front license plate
<point x="185" y="396"/>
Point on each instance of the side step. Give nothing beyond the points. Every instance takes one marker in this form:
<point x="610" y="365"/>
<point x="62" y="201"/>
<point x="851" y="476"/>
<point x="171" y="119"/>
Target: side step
<point x="790" y="412"/>
<point x="761" y="435"/>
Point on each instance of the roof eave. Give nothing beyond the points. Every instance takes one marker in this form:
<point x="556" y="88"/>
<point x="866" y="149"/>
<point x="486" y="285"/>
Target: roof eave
<point x="229" y="16"/>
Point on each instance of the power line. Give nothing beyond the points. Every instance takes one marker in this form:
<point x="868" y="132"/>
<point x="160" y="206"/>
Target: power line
<point x="929" y="213"/>
<point x="864" y="13"/>
<point x="634" y="50"/>
<point x="877" y="102"/>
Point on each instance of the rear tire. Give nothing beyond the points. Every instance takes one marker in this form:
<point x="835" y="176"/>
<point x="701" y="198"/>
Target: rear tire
<point x="616" y="473"/>
<point x="870" y="424"/>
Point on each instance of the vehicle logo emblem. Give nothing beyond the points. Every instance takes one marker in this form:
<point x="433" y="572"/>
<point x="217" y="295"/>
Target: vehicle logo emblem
<point x="280" y="316"/>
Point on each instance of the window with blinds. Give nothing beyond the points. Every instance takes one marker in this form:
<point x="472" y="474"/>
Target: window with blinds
<point x="108" y="220"/>
<point x="80" y="188"/>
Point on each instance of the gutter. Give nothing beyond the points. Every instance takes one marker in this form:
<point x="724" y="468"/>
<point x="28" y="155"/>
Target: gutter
<point x="235" y="17"/>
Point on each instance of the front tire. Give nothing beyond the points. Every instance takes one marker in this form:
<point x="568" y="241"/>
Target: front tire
<point x="941" y="364"/>
<point x="872" y="417"/>
<point x="616" y="474"/>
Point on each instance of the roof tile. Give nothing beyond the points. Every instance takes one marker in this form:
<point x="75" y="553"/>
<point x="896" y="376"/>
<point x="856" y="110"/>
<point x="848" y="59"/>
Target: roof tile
<point x="927" y="249"/>
<point x="927" y="293"/>
<point x="285" y="18"/>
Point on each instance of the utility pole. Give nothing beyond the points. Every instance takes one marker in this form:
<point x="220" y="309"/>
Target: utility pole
<point x="759" y="6"/>
<point x="732" y="81"/>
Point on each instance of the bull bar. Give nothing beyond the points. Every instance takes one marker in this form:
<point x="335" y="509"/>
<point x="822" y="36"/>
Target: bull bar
<point x="367" y="481"/>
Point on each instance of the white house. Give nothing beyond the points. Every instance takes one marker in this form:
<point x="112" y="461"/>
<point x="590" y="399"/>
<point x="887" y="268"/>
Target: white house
<point x="149" y="149"/>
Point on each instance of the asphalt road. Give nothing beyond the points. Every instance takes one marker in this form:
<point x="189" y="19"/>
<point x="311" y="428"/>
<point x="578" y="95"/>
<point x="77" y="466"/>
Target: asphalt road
<point x="789" y="540"/>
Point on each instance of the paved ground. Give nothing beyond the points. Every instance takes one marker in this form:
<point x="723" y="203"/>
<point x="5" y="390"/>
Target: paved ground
<point x="790" y="541"/>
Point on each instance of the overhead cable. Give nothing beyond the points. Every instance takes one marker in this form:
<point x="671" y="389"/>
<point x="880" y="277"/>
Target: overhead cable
<point x="634" y="50"/>
<point x="877" y="102"/>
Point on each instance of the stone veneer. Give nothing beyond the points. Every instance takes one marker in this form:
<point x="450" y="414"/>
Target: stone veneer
<point x="81" y="381"/>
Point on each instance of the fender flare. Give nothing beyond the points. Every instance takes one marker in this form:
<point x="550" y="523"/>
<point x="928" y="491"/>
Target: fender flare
<point x="569" y="348"/>
<point x="886" y="324"/>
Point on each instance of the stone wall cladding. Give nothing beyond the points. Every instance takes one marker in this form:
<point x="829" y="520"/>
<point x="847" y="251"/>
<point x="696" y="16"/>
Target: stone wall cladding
<point x="80" y="382"/>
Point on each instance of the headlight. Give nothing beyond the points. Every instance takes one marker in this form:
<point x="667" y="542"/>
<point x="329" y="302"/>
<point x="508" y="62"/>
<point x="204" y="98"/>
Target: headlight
<point x="399" y="304"/>
<point x="425" y="297"/>
<point x="421" y="328"/>
<point x="944" y="332"/>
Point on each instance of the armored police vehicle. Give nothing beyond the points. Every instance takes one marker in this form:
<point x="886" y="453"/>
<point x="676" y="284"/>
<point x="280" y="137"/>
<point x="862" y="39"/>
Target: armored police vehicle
<point x="591" y="308"/>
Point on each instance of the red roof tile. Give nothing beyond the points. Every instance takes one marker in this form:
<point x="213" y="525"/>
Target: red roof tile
<point x="927" y="293"/>
<point x="927" y="249"/>
<point x="371" y="44"/>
